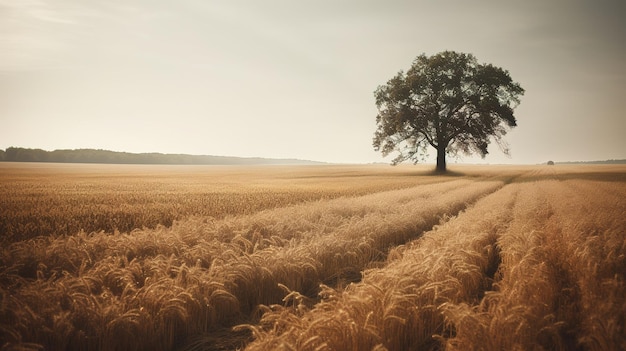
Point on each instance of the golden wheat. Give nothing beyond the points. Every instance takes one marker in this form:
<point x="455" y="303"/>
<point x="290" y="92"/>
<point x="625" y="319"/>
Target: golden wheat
<point x="61" y="199"/>
<point x="549" y="296"/>
<point x="165" y="284"/>
<point x="396" y="307"/>
<point x="513" y="275"/>
<point x="537" y="263"/>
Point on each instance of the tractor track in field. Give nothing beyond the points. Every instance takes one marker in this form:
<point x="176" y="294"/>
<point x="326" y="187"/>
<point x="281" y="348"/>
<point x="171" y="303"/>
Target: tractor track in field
<point x="331" y="243"/>
<point x="449" y="259"/>
<point x="228" y="339"/>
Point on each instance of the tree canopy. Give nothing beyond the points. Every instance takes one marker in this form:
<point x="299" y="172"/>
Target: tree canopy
<point x="448" y="101"/>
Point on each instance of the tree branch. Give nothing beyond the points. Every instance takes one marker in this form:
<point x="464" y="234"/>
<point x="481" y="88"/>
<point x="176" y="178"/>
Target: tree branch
<point x="428" y="138"/>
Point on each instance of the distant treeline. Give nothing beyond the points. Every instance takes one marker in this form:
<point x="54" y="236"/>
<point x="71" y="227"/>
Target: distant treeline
<point x="605" y="162"/>
<point x="18" y="154"/>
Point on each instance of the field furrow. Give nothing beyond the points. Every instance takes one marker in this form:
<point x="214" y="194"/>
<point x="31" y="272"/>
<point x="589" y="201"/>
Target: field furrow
<point x="312" y="258"/>
<point x="562" y="272"/>
<point x="203" y="274"/>
<point x="536" y="265"/>
<point x="397" y="307"/>
<point x="56" y="199"/>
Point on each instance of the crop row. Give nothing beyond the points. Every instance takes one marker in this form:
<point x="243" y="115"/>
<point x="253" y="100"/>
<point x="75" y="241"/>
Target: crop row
<point x="61" y="200"/>
<point x="536" y="265"/>
<point x="155" y="288"/>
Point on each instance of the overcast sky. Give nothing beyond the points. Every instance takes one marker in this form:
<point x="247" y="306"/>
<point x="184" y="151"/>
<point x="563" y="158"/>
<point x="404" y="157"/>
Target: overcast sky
<point x="295" y="79"/>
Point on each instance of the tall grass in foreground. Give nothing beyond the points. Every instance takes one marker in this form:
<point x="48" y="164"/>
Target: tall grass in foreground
<point x="562" y="281"/>
<point x="534" y="266"/>
<point x="153" y="289"/>
<point x="397" y="307"/>
<point x="563" y="274"/>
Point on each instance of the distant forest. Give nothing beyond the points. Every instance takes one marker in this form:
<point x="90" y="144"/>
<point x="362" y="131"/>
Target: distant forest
<point x="17" y="154"/>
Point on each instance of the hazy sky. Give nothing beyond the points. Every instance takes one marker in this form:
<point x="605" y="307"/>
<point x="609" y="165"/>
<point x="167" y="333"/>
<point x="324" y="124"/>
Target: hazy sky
<point x="295" y="79"/>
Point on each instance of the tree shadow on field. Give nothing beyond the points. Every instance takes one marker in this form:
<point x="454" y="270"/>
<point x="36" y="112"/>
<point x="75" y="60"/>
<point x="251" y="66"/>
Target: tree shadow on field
<point x="447" y="173"/>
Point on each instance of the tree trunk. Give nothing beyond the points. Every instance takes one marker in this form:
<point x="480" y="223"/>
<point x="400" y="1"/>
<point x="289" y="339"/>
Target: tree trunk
<point x="441" y="159"/>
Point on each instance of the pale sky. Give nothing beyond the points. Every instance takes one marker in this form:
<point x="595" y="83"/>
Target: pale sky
<point x="295" y="79"/>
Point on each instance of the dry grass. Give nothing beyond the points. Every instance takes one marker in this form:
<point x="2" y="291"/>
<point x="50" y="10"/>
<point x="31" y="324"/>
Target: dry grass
<point x="397" y="307"/>
<point x="562" y="277"/>
<point x="529" y="267"/>
<point x="518" y="258"/>
<point x="60" y="199"/>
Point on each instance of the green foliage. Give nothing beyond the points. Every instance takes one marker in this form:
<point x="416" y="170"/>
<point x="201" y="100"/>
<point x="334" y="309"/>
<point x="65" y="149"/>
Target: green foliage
<point x="448" y="101"/>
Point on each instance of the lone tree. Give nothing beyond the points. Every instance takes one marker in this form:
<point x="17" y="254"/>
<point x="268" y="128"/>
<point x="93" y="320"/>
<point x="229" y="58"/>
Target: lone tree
<point x="448" y="101"/>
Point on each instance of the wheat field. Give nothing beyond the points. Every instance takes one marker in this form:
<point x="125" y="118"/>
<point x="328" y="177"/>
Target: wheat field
<point x="101" y="257"/>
